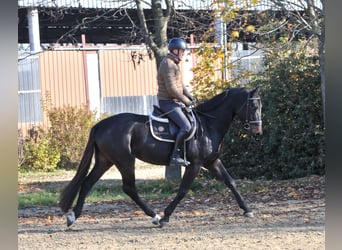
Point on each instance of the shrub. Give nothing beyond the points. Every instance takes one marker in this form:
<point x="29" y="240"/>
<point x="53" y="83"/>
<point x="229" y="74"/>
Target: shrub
<point x="61" y="145"/>
<point x="39" y="155"/>
<point x="68" y="133"/>
<point x="293" y="143"/>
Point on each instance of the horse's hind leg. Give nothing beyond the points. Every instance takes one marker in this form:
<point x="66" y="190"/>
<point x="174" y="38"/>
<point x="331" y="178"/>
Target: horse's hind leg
<point x="220" y="173"/>
<point x="95" y="174"/>
<point x="128" y="186"/>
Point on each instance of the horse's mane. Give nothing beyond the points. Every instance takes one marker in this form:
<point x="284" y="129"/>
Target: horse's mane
<point x="214" y="101"/>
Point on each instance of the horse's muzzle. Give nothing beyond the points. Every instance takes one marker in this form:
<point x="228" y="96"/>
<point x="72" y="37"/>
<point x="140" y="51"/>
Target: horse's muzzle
<point x="256" y="130"/>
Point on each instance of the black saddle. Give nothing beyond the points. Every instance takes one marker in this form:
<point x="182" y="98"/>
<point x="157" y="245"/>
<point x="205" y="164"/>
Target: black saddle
<point x="164" y="129"/>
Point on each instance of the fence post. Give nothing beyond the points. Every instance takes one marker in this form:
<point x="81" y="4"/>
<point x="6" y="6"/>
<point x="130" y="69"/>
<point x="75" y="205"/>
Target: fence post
<point x="173" y="173"/>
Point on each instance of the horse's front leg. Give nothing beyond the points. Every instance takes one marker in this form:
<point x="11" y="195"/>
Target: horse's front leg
<point x="190" y="174"/>
<point x="130" y="189"/>
<point x="220" y="173"/>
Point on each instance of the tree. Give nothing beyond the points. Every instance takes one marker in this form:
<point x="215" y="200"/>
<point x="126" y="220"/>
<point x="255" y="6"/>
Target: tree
<point x="144" y="22"/>
<point x="157" y="41"/>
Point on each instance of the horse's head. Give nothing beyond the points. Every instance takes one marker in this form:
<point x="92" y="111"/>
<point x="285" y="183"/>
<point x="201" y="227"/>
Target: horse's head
<point x="250" y="112"/>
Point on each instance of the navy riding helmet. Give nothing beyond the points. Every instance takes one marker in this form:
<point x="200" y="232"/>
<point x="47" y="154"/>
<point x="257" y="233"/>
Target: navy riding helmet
<point x="177" y="43"/>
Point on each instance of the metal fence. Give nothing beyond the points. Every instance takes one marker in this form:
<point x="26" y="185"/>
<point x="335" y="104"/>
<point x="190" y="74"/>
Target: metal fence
<point x="29" y="94"/>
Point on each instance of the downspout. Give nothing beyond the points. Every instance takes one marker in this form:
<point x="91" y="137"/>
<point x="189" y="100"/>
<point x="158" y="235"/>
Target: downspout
<point x="85" y="70"/>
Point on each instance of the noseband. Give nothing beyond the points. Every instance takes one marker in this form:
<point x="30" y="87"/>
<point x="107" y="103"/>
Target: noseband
<point x="248" y="123"/>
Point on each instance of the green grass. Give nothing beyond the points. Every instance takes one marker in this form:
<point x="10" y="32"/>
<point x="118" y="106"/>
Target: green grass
<point x="23" y="173"/>
<point x="151" y="189"/>
<point x="43" y="198"/>
<point x="47" y="194"/>
<point x="148" y="190"/>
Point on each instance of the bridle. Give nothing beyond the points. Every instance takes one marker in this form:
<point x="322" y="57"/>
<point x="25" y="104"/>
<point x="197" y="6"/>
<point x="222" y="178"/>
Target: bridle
<point x="248" y="123"/>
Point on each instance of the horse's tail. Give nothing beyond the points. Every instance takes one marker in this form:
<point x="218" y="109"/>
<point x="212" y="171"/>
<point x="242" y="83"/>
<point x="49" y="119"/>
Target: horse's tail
<point x="69" y="193"/>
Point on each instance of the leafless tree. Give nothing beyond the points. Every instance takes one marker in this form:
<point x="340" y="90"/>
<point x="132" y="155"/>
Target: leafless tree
<point x="150" y="22"/>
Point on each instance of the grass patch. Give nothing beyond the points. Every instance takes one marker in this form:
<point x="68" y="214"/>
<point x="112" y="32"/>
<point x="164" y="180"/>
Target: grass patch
<point x="36" y="174"/>
<point x="109" y="191"/>
<point x="149" y="190"/>
<point x="42" y="198"/>
<point x="152" y="189"/>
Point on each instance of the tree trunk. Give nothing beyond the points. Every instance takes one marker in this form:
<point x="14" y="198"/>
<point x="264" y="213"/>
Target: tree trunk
<point x="158" y="43"/>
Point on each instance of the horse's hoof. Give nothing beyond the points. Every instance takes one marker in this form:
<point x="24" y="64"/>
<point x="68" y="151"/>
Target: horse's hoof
<point x="156" y="219"/>
<point x="249" y="214"/>
<point x="163" y="222"/>
<point x="70" y="218"/>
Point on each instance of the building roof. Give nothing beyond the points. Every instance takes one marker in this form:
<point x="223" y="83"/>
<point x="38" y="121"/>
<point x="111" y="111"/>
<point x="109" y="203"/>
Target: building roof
<point x="108" y="4"/>
<point x="178" y="4"/>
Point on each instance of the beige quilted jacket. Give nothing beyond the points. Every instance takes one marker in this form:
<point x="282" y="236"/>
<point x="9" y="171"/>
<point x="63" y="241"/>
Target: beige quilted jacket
<point x="170" y="85"/>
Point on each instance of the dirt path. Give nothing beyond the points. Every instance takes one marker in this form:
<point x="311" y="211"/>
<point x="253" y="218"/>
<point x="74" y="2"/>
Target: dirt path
<point x="288" y="215"/>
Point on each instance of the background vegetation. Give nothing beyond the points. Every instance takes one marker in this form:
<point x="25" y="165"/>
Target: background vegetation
<point x="293" y="143"/>
<point x="60" y="147"/>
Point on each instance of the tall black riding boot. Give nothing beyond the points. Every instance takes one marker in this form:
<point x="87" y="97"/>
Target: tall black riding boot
<point x="176" y="159"/>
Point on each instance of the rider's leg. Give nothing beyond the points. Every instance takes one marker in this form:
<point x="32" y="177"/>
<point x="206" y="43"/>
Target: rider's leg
<point x="180" y="119"/>
<point x="175" y="159"/>
<point x="175" y="113"/>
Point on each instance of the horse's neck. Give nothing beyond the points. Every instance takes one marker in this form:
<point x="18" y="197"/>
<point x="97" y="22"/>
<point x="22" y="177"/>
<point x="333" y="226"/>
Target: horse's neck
<point x="218" y="122"/>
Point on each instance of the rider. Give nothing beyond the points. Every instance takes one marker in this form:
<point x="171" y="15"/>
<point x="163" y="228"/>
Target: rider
<point x="172" y="95"/>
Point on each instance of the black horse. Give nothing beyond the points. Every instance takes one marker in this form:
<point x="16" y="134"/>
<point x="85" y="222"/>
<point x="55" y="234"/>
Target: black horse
<point x="120" y="139"/>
